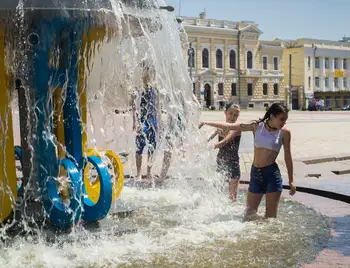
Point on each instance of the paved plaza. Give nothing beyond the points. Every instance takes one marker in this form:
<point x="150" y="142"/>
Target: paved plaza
<point x="320" y="145"/>
<point x="314" y="135"/>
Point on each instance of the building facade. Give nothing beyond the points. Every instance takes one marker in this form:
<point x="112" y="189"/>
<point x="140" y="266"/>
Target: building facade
<point x="227" y="62"/>
<point x="320" y="69"/>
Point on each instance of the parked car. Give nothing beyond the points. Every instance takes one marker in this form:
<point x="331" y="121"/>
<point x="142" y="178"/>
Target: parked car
<point x="345" y="108"/>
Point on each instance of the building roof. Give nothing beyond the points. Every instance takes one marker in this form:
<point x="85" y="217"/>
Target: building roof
<point x="309" y="42"/>
<point x="246" y="26"/>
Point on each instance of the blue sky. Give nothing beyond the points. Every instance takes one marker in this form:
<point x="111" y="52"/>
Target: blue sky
<point x="287" y="19"/>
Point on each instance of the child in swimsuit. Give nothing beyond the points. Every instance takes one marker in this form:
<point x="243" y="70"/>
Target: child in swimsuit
<point x="270" y="134"/>
<point x="228" y="145"/>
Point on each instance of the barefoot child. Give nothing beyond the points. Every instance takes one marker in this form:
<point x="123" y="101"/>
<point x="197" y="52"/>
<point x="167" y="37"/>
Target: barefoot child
<point x="228" y="144"/>
<point x="270" y="134"/>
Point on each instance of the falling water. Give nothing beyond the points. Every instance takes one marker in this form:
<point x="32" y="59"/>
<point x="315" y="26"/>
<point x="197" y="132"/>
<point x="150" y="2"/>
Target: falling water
<point x="188" y="222"/>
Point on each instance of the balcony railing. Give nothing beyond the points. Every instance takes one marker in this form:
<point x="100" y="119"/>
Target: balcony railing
<point x="253" y="72"/>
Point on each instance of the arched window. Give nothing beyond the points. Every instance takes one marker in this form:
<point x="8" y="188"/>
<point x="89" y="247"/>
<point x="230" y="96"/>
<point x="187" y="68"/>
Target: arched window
<point x="232" y="59"/>
<point x="218" y="58"/>
<point x="205" y="58"/>
<point x="249" y="60"/>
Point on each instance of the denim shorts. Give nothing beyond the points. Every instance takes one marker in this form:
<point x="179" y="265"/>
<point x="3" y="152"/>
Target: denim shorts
<point x="146" y="138"/>
<point x="265" y="180"/>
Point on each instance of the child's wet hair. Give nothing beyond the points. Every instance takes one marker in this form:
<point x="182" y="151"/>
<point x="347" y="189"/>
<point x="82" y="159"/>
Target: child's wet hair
<point x="275" y="109"/>
<point x="230" y="105"/>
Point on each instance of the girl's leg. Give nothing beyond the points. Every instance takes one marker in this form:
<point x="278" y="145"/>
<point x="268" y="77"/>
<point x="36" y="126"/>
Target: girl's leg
<point x="274" y="190"/>
<point x="233" y="188"/>
<point x="272" y="202"/>
<point x="253" y="202"/>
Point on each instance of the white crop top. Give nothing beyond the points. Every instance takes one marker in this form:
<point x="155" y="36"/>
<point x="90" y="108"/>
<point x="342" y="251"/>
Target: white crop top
<point x="271" y="140"/>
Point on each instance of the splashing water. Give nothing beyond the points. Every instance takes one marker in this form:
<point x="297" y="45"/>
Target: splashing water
<point x="186" y="223"/>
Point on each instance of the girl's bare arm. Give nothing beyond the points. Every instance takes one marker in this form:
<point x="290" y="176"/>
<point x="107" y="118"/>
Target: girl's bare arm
<point x="226" y="140"/>
<point x="230" y="126"/>
<point x="212" y="136"/>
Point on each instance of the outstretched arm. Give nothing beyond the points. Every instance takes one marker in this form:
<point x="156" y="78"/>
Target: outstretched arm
<point x="227" y="139"/>
<point x="230" y="126"/>
<point x="212" y="136"/>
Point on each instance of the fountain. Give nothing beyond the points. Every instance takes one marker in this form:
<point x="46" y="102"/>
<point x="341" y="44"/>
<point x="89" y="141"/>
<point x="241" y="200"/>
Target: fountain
<point x="65" y="67"/>
<point x="47" y="50"/>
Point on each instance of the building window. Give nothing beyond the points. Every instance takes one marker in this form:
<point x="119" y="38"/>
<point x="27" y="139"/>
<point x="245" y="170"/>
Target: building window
<point x="326" y="82"/>
<point x="205" y="58"/>
<point x="345" y="64"/>
<point x="275" y="63"/>
<point x="221" y="89"/>
<point x="326" y="63"/>
<point x="194" y="88"/>
<point x="309" y="81"/>
<point x="265" y="88"/>
<point x="336" y="65"/>
<point x="275" y="89"/>
<point x="250" y="89"/>
<point x="218" y="58"/>
<point x="232" y="59"/>
<point x="336" y="82"/>
<point x="345" y="82"/>
<point x="234" y="89"/>
<point x="265" y="63"/>
<point x="266" y="105"/>
<point x="308" y="61"/>
<point x="249" y="60"/>
<point x="251" y="105"/>
<point x="317" y="81"/>
<point x="317" y="63"/>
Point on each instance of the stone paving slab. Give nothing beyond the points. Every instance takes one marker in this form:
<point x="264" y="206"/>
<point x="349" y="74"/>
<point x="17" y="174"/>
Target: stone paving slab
<point x="337" y="251"/>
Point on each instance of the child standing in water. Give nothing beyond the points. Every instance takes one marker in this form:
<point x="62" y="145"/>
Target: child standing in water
<point x="146" y="119"/>
<point x="228" y="145"/>
<point x="270" y="134"/>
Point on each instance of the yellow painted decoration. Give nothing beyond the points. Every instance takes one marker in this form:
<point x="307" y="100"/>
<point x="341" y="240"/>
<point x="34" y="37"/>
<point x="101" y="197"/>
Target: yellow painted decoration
<point x="8" y="181"/>
<point x="59" y="132"/>
<point x="338" y="73"/>
<point x="118" y="169"/>
<point x="58" y="122"/>
<point x="91" y="41"/>
<point x="93" y="189"/>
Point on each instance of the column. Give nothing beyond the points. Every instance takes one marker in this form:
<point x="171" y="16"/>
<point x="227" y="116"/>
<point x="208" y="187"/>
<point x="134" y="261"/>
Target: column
<point x="340" y="67"/>
<point x="198" y="62"/>
<point x="322" y="61"/>
<point x="212" y="54"/>
<point x="226" y="57"/>
<point x="214" y="93"/>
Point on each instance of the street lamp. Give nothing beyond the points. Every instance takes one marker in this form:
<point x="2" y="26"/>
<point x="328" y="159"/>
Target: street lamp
<point x="168" y="8"/>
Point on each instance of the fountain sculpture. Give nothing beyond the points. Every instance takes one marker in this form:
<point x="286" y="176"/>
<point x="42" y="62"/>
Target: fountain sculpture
<point x="46" y="52"/>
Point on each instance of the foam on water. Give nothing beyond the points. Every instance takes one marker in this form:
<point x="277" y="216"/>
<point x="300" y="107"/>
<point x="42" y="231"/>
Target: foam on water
<point x="187" y="226"/>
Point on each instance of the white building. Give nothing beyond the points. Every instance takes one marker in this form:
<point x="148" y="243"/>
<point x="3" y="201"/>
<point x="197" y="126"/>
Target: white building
<point x="321" y="68"/>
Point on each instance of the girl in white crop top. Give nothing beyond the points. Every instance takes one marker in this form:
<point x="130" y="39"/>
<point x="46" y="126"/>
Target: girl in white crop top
<point x="270" y="134"/>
